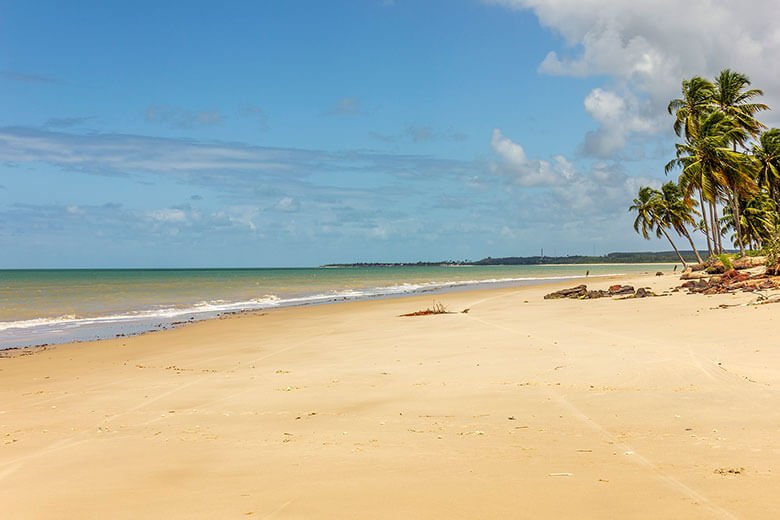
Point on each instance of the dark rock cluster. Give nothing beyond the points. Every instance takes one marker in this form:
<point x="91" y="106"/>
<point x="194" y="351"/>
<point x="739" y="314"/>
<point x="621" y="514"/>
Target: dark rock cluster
<point x="581" y="292"/>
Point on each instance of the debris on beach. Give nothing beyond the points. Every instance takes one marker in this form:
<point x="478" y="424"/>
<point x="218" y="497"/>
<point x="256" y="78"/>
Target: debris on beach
<point x="438" y="308"/>
<point x="573" y="292"/>
<point x="729" y="471"/>
<point x="731" y="282"/>
<point x="644" y="292"/>
<point x="749" y="262"/>
<point x="581" y="292"/>
<point x="717" y="266"/>
<point x="723" y="275"/>
<point x="620" y="289"/>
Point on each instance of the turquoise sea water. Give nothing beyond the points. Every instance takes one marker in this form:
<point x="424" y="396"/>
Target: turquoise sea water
<point x="52" y="306"/>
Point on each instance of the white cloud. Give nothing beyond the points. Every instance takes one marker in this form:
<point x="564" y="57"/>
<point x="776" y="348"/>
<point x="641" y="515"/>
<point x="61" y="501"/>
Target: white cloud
<point x="243" y="216"/>
<point x="618" y="116"/>
<point x="287" y="204"/>
<point x="646" y="48"/>
<point x="602" y="188"/>
<point x="511" y="152"/>
<point x="117" y="153"/>
<point x="235" y="217"/>
<point x="514" y="163"/>
<point x="216" y="162"/>
<point x="168" y="215"/>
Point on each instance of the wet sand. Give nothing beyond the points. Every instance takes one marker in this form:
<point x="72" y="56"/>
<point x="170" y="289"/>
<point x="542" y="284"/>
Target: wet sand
<point x="521" y="408"/>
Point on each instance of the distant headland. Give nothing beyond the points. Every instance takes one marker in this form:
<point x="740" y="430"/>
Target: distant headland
<point x="610" y="258"/>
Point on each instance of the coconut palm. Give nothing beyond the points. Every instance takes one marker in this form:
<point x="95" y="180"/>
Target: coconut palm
<point x="697" y="96"/>
<point x="767" y="160"/>
<point x="697" y="99"/>
<point x="709" y="163"/>
<point x="677" y="214"/>
<point x="733" y="98"/>
<point x="758" y="220"/>
<point x="649" y="219"/>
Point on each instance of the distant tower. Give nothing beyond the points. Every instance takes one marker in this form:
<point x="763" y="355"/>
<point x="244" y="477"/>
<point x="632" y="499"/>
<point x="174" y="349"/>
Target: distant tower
<point x="542" y="253"/>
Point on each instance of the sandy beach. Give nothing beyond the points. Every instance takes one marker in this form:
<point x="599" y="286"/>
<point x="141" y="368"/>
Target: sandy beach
<point x="521" y="408"/>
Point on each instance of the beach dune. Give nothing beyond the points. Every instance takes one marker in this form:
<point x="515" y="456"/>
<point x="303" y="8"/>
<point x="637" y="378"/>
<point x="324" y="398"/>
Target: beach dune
<point x="521" y="408"/>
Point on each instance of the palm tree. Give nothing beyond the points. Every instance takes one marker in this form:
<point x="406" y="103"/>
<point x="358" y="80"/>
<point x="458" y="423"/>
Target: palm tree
<point x="767" y="160"/>
<point x="677" y="214"/>
<point x="758" y="220"/>
<point x="733" y="98"/>
<point x="649" y="219"/>
<point x="714" y="118"/>
<point x="697" y="96"/>
<point x="709" y="163"/>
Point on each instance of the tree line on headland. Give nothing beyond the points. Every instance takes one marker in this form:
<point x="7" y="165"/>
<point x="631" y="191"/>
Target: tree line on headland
<point x="729" y="171"/>
<point x="610" y="258"/>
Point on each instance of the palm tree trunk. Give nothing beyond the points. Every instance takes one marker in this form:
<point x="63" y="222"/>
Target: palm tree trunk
<point x="693" y="246"/>
<point x="734" y="201"/>
<point x="674" y="247"/>
<point x="713" y="227"/>
<point x="706" y="227"/>
<point x="716" y="220"/>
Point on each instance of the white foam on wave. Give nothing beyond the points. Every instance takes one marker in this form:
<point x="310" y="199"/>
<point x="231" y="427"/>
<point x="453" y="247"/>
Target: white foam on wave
<point x="268" y="301"/>
<point x="70" y="321"/>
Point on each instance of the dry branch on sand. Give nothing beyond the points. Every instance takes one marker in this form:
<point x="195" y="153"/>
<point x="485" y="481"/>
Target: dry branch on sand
<point x="438" y="308"/>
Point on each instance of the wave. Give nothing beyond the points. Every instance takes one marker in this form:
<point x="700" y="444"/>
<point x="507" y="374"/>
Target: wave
<point x="214" y="307"/>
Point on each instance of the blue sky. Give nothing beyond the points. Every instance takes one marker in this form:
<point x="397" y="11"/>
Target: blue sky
<point x="304" y="132"/>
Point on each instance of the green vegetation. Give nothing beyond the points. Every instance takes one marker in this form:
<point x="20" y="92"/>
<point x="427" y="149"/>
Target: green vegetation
<point x="646" y="257"/>
<point x="610" y="258"/>
<point x="727" y="164"/>
<point x="659" y="211"/>
<point x="725" y="259"/>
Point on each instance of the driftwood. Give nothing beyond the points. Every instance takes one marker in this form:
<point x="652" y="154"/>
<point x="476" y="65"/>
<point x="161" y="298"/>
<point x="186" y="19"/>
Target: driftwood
<point x="437" y="308"/>
<point x="730" y="282"/>
<point x="773" y="270"/>
<point x="748" y="262"/>
<point x="691" y="274"/>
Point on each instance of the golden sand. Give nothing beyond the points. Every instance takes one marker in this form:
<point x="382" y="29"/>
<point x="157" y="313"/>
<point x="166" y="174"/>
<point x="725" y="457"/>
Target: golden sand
<point x="521" y="408"/>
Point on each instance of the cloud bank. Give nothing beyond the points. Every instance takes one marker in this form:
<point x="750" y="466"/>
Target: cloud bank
<point x="558" y="191"/>
<point x="646" y="47"/>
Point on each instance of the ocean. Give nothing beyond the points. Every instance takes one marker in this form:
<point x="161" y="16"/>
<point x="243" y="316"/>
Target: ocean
<point x="62" y="305"/>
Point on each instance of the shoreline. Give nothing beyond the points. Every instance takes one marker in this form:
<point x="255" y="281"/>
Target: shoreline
<point x="660" y="407"/>
<point x="98" y="328"/>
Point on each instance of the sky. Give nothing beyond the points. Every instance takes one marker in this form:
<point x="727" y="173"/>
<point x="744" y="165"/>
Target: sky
<point x="299" y="133"/>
